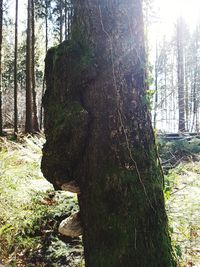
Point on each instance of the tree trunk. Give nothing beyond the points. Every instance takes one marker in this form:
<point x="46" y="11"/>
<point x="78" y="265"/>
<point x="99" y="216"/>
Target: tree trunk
<point x="61" y="20"/>
<point x="15" y="71"/>
<point x="186" y="95"/>
<point x="46" y="48"/>
<point x="29" y="119"/>
<point x="181" y="100"/>
<point x="1" y="25"/>
<point x="35" y="118"/>
<point x="66" y="19"/>
<point x="194" y="114"/>
<point x="46" y="26"/>
<point x="156" y="89"/>
<point x="99" y="133"/>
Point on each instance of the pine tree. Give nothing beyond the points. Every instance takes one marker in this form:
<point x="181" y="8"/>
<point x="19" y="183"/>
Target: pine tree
<point x="29" y="102"/>
<point x="15" y="70"/>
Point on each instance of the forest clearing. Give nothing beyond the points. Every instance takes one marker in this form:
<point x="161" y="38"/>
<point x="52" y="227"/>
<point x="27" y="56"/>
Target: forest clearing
<point x="99" y="133"/>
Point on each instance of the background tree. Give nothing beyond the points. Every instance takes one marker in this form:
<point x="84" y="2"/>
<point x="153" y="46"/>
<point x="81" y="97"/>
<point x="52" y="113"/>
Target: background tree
<point x="62" y="15"/>
<point x="180" y="69"/>
<point x="35" y="118"/>
<point x="29" y="108"/>
<point x="195" y="92"/>
<point x="15" y="70"/>
<point x="43" y="10"/>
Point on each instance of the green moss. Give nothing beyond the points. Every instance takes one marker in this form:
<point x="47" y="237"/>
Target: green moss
<point x="67" y="119"/>
<point x="77" y="51"/>
<point x="126" y="219"/>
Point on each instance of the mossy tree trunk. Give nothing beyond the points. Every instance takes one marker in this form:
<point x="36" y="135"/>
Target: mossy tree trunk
<point x="99" y="133"/>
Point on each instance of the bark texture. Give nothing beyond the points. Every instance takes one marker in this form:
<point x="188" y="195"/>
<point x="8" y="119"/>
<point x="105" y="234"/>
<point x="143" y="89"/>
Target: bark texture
<point x="180" y="69"/>
<point x="15" y="71"/>
<point x="99" y="133"/>
<point x="1" y="24"/>
<point x="35" y="117"/>
<point x="31" y="124"/>
<point x="29" y="108"/>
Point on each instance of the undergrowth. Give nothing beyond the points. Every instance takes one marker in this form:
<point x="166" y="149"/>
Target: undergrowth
<point x="182" y="194"/>
<point x="172" y="153"/>
<point x="30" y="210"/>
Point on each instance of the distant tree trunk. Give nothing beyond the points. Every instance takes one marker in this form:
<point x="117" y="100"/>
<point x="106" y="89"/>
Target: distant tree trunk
<point x="69" y="20"/>
<point x="193" y="128"/>
<point x="46" y="48"/>
<point x="29" y="119"/>
<point x="99" y="133"/>
<point x="35" y="118"/>
<point x="15" y="71"/>
<point x="186" y="95"/>
<point x="156" y="89"/>
<point x="165" y="92"/>
<point x="46" y="26"/>
<point x="65" y="17"/>
<point x="196" y="84"/>
<point x="61" y="20"/>
<point x="180" y="61"/>
<point x="1" y="25"/>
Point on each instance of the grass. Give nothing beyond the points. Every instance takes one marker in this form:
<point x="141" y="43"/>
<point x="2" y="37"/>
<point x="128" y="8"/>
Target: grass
<point x="182" y="192"/>
<point x="30" y="210"/>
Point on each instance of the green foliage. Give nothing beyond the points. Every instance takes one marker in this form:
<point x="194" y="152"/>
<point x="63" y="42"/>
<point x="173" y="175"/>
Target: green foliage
<point x="77" y="50"/>
<point x="170" y="183"/>
<point x="149" y="98"/>
<point x="30" y="211"/>
<point x="172" y="152"/>
<point x="179" y="146"/>
<point x="182" y="190"/>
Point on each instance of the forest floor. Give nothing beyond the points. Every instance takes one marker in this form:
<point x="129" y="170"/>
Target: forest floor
<point x="183" y="206"/>
<point x="30" y="210"/>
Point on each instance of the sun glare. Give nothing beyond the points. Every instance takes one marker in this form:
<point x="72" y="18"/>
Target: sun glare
<point x="188" y="9"/>
<point x="167" y="12"/>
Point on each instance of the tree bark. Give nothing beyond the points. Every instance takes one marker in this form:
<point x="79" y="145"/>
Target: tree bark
<point x="156" y="89"/>
<point x="46" y="48"/>
<point x="46" y="26"/>
<point x="15" y="71"/>
<point x="61" y="20"/>
<point x="35" y="118"/>
<point x="180" y="61"/>
<point x="66" y="18"/>
<point x="29" y="109"/>
<point x="99" y="133"/>
<point x="1" y="25"/>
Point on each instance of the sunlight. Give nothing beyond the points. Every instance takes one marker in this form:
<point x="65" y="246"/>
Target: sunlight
<point x="170" y="10"/>
<point x="166" y="13"/>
